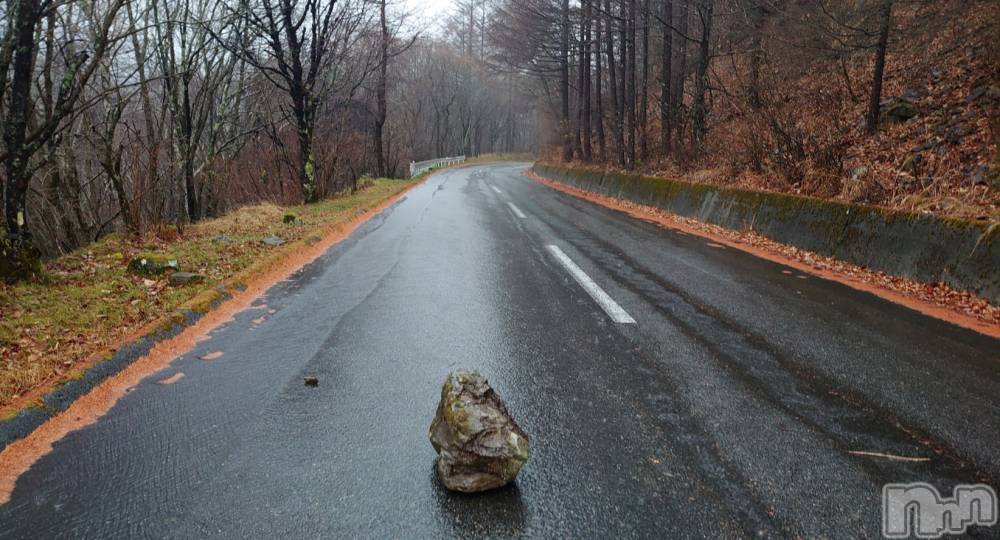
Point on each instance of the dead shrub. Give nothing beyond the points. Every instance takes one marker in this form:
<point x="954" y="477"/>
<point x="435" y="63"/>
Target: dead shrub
<point x="819" y="182"/>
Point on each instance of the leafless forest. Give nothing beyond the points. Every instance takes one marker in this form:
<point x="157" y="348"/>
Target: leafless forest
<point x="122" y="115"/>
<point x="886" y="102"/>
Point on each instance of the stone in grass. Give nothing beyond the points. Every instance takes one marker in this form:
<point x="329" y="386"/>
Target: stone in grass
<point x="858" y="173"/>
<point x="18" y="260"/>
<point x="152" y="264"/>
<point x="899" y="110"/>
<point x="480" y="447"/>
<point x="180" y="279"/>
<point x="273" y="240"/>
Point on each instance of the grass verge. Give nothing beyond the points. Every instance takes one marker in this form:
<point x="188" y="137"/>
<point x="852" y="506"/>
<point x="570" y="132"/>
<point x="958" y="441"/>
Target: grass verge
<point x="87" y="303"/>
<point x="500" y="157"/>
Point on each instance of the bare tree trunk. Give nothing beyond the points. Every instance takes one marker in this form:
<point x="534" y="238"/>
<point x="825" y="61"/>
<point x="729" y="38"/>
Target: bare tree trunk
<point x="617" y="97"/>
<point x="131" y="208"/>
<point x="677" y="88"/>
<point x="757" y="17"/>
<point x="15" y="187"/>
<point x="701" y="82"/>
<point x="187" y="155"/>
<point x="380" y="97"/>
<point x="630" y="91"/>
<point x="875" y="98"/>
<point x="644" y="89"/>
<point x="602" y="143"/>
<point x="303" y="112"/>
<point x="580" y="73"/>
<point x="585" y="77"/>
<point x="564" y="84"/>
<point x="666" y="54"/>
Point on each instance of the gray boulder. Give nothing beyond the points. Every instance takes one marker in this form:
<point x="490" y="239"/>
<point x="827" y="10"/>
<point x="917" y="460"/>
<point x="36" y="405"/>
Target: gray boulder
<point x="899" y="110"/>
<point x="990" y="92"/>
<point x="480" y="447"/>
<point x="179" y="279"/>
<point x="857" y="173"/>
<point x="152" y="264"/>
<point x="273" y="240"/>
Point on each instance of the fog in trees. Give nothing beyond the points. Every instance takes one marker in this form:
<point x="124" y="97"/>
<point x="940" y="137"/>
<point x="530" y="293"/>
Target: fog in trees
<point x="125" y="116"/>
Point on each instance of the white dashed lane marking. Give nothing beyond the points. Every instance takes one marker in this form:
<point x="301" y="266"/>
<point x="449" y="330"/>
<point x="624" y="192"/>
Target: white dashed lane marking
<point x="615" y="311"/>
<point x="517" y="211"/>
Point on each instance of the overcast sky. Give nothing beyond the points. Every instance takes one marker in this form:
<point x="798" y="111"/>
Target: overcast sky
<point x="429" y="10"/>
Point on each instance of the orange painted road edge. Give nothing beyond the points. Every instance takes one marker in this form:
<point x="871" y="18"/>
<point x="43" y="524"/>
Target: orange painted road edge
<point x="21" y="454"/>
<point x="924" y="307"/>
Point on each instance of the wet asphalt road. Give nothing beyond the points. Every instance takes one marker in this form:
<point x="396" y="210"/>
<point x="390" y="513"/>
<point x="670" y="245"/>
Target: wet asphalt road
<point x="729" y="409"/>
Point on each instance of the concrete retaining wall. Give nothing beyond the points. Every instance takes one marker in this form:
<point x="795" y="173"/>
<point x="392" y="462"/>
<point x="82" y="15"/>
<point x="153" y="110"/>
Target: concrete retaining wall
<point x="965" y="255"/>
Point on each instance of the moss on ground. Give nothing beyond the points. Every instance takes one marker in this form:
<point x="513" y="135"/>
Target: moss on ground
<point x="152" y="264"/>
<point x="88" y="302"/>
<point x="786" y="205"/>
<point x="492" y="158"/>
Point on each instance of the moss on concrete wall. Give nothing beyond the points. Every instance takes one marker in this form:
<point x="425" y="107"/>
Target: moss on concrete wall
<point x="963" y="254"/>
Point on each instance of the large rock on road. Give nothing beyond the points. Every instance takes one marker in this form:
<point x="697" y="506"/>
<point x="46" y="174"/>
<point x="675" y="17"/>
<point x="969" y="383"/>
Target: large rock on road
<point x="480" y="446"/>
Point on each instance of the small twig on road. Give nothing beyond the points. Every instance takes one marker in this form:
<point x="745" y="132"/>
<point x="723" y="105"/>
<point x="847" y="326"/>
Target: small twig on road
<point x="888" y="456"/>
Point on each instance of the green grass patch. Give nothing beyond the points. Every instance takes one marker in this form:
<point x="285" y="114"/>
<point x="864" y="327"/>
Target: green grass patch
<point x="87" y="301"/>
<point x="491" y="158"/>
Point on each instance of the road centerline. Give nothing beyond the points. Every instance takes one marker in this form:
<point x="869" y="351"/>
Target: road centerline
<point x="517" y="211"/>
<point x="614" y="311"/>
<point x="495" y="189"/>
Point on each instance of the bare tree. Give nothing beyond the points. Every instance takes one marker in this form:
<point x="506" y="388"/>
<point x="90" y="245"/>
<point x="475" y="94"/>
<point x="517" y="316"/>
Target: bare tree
<point x="680" y="73"/>
<point x="644" y="86"/>
<point x="295" y="44"/>
<point x="617" y="93"/>
<point x="586" y="142"/>
<point x="380" y="86"/>
<point x="24" y="136"/>
<point x="602" y="143"/>
<point x="666" y="65"/>
<point x="629" y="42"/>
<point x="705" y="14"/>
<point x="875" y="97"/>
<point x="564" y="82"/>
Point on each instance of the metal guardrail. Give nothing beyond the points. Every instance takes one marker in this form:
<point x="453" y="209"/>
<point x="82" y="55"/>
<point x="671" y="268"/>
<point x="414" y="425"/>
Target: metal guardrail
<point x="420" y="167"/>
